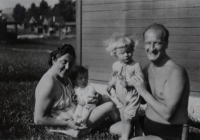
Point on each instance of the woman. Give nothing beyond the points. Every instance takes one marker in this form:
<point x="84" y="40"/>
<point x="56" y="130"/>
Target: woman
<point x="53" y="106"/>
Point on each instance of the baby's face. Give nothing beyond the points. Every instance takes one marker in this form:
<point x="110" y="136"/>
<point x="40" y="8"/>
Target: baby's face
<point x="125" y="54"/>
<point x="82" y="80"/>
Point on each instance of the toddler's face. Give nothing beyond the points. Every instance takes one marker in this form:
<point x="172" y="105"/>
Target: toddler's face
<point x="82" y="80"/>
<point x="125" y="54"/>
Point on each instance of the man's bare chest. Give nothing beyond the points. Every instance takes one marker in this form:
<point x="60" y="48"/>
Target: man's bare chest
<point x="157" y="81"/>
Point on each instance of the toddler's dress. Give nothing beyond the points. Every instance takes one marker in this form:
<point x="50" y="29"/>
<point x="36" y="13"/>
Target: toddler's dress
<point x="127" y="95"/>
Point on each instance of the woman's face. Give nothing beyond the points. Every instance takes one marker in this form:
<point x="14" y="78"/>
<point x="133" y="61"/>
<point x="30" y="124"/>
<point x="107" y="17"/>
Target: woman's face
<point x="63" y="64"/>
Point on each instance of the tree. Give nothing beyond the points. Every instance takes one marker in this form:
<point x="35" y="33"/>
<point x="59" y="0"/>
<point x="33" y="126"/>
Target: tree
<point x="19" y="13"/>
<point x="33" y="11"/>
<point x="44" y="8"/>
<point x="65" y="9"/>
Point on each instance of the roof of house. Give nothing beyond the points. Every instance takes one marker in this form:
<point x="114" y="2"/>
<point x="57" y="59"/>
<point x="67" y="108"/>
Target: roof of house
<point x="58" y="20"/>
<point x="32" y="20"/>
<point x="45" y="22"/>
<point x="8" y="17"/>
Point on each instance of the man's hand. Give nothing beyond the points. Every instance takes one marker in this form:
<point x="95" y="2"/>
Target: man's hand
<point x="74" y="125"/>
<point x="138" y="83"/>
<point x="124" y="83"/>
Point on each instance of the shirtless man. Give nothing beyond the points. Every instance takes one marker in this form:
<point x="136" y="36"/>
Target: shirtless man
<point x="166" y="91"/>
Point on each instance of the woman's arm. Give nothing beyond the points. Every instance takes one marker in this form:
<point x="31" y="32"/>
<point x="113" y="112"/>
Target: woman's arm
<point x="44" y="95"/>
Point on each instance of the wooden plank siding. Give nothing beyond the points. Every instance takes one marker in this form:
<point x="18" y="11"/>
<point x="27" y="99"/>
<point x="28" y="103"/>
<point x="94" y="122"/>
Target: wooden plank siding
<point x="102" y="18"/>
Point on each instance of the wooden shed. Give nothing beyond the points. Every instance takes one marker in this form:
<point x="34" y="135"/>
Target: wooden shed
<point x="97" y="20"/>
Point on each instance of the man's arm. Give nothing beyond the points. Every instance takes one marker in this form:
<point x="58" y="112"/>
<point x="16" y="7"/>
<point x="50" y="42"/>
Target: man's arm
<point x="173" y="90"/>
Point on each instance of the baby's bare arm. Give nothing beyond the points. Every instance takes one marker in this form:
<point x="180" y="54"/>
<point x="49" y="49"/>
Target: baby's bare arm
<point x="137" y="70"/>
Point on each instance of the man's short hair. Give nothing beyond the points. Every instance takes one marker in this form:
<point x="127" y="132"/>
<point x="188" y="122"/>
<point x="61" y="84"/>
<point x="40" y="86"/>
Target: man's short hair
<point x="160" y="27"/>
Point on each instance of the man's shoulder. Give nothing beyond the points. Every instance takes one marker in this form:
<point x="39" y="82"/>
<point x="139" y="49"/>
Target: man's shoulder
<point x="173" y="67"/>
<point x="174" y="70"/>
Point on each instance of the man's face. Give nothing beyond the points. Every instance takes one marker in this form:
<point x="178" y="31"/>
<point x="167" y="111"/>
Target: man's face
<point x="154" y="44"/>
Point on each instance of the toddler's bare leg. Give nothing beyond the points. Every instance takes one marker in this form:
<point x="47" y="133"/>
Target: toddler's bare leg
<point x="116" y="128"/>
<point x="126" y="128"/>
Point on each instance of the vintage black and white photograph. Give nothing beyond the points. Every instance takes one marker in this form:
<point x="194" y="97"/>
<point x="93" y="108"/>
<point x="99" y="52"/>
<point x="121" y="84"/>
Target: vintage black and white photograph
<point x="100" y="69"/>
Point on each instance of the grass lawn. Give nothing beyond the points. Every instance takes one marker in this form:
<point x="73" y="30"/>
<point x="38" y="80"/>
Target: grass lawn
<point x="20" y="71"/>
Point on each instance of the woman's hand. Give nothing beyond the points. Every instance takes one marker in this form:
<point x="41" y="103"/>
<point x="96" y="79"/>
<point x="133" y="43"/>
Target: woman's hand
<point x="74" y="125"/>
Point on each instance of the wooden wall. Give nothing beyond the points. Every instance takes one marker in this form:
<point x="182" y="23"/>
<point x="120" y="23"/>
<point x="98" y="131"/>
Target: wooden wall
<point x="102" y="18"/>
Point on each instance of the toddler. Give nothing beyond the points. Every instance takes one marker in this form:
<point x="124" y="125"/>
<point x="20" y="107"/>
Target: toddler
<point x="86" y="95"/>
<point x="120" y="88"/>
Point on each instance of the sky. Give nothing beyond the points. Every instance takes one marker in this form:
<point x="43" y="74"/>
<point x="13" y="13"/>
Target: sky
<point x="26" y="3"/>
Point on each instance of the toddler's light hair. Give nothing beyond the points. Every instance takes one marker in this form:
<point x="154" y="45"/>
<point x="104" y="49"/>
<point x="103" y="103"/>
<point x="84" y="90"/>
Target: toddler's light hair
<point x="116" y="41"/>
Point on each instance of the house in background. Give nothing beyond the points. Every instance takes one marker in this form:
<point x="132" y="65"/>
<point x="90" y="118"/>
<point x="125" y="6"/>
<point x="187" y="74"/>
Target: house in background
<point x="8" y="27"/>
<point x="32" y="25"/>
<point x="53" y="25"/>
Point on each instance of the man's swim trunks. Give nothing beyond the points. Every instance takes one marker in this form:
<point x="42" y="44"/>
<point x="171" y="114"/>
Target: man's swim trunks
<point x="165" y="131"/>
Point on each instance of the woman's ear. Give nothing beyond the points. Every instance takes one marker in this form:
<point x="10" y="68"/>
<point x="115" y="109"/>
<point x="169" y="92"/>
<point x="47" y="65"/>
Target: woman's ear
<point x="115" y="54"/>
<point x="53" y="60"/>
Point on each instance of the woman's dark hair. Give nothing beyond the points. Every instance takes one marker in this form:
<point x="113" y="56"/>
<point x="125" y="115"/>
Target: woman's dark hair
<point x="75" y="71"/>
<point x="160" y="27"/>
<point x="60" y="51"/>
